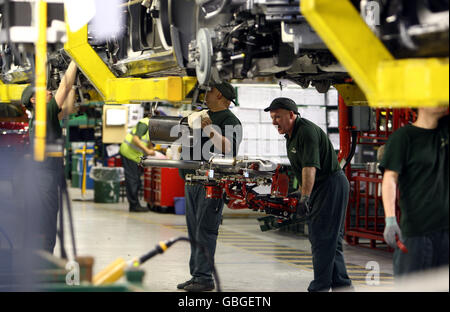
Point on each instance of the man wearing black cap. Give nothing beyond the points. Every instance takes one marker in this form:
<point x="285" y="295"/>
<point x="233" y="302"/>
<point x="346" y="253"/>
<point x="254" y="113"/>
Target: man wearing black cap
<point x="45" y="178"/>
<point x="323" y="194"/>
<point x="203" y="216"/>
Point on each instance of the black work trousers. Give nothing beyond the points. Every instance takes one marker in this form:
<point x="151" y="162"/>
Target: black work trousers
<point x="425" y="252"/>
<point x="132" y="181"/>
<point x="203" y="218"/>
<point x="326" y="231"/>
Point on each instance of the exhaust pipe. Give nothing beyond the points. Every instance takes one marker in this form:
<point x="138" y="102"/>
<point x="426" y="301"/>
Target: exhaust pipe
<point x="168" y="129"/>
<point x="168" y="163"/>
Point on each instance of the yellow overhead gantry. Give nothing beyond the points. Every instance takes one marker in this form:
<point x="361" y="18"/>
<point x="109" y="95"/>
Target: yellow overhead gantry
<point x="11" y="92"/>
<point x="122" y="90"/>
<point x="112" y="89"/>
<point x="385" y="81"/>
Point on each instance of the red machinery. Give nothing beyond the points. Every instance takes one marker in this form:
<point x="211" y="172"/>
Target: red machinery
<point x="234" y="180"/>
<point x="238" y="193"/>
<point x="365" y="214"/>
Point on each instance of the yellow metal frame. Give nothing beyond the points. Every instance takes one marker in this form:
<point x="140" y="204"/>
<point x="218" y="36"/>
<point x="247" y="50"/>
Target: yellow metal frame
<point x="385" y="81"/>
<point x="352" y="94"/>
<point x="122" y="90"/>
<point x="11" y="92"/>
<point x="41" y="83"/>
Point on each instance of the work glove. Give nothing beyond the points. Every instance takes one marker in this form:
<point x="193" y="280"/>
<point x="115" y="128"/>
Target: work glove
<point x="392" y="230"/>
<point x="303" y="207"/>
<point x="296" y="194"/>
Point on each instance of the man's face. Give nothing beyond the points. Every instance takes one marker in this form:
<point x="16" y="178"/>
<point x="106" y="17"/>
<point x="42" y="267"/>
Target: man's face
<point x="47" y="99"/>
<point x="212" y="96"/>
<point x="283" y="120"/>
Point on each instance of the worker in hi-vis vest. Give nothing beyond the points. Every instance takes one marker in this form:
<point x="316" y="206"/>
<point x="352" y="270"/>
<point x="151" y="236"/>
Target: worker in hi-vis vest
<point x="136" y="144"/>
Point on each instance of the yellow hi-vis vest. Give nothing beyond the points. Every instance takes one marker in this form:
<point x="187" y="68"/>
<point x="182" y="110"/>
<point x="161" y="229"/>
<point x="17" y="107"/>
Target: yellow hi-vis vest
<point x="131" y="151"/>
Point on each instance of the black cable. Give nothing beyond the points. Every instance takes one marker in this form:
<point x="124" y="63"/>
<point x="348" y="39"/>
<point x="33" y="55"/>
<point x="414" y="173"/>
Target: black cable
<point x="163" y="246"/>
<point x="352" y="150"/>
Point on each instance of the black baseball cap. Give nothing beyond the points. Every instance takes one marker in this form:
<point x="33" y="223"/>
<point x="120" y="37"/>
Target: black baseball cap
<point x="27" y="94"/>
<point x="226" y="89"/>
<point x="284" y="103"/>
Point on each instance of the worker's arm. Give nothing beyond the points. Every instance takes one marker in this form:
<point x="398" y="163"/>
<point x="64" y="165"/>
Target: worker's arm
<point x="68" y="105"/>
<point x="304" y="205"/>
<point x="222" y="143"/>
<point x="137" y="141"/>
<point x="389" y="192"/>
<point x="66" y="84"/>
<point x="308" y="179"/>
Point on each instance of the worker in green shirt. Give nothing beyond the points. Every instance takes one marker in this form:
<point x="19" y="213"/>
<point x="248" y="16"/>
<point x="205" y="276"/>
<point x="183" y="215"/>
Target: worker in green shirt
<point x="416" y="161"/>
<point x="47" y="178"/>
<point x="223" y="131"/>
<point x="323" y="194"/>
<point x="136" y="145"/>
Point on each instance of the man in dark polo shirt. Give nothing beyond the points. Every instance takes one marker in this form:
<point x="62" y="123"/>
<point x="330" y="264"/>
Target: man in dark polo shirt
<point x="416" y="161"/>
<point x="323" y="194"/>
<point x="223" y="131"/>
<point x="46" y="178"/>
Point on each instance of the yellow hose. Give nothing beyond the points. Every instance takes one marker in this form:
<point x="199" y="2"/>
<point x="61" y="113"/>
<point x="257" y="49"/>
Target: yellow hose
<point x="112" y="272"/>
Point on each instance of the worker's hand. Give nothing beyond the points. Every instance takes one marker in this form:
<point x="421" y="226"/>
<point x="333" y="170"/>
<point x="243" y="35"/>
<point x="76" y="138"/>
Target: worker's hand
<point x="206" y="121"/>
<point x="150" y="152"/>
<point x="303" y="206"/>
<point x="390" y="231"/>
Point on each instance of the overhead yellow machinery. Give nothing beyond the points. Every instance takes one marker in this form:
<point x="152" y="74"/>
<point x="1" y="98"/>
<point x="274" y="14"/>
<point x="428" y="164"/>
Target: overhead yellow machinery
<point x="112" y="89"/>
<point x="11" y="92"/>
<point x="122" y="90"/>
<point x="385" y="81"/>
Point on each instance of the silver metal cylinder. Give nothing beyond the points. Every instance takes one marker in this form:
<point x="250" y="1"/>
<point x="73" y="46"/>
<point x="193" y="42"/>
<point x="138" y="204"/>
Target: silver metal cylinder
<point x="220" y="161"/>
<point x="166" y="163"/>
<point x="168" y="129"/>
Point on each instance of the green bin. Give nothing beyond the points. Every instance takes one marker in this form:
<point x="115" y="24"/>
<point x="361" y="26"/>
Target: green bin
<point x="106" y="191"/>
<point x="75" y="174"/>
<point x="76" y="177"/>
<point x="106" y="183"/>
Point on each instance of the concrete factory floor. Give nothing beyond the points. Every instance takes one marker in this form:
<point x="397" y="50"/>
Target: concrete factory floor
<point x="247" y="259"/>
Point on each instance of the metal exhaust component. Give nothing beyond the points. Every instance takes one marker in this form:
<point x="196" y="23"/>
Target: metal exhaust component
<point x="168" y="129"/>
<point x="166" y="163"/>
<point x="222" y="161"/>
<point x="263" y="165"/>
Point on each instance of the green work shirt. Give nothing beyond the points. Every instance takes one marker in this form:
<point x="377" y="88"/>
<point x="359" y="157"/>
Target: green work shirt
<point x="224" y="119"/>
<point x="309" y="146"/>
<point x="420" y="157"/>
<point x="54" y="130"/>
